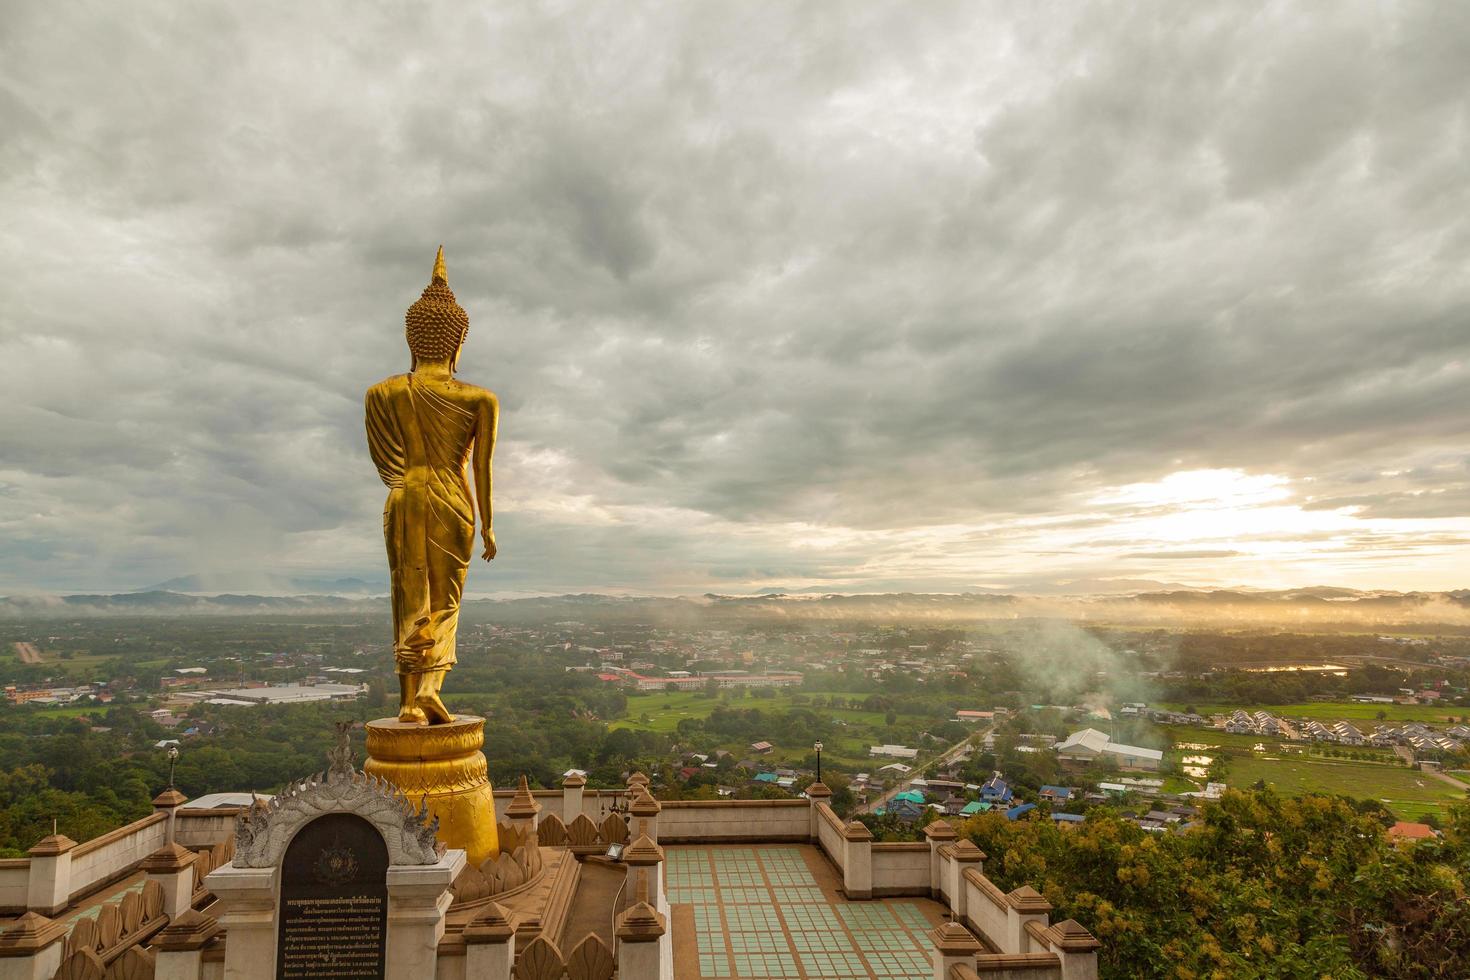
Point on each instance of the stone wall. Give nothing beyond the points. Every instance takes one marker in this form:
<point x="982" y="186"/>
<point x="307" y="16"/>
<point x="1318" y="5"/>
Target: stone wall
<point x="900" y="869"/>
<point x="734" y="821"/>
<point x="113" y="855"/>
<point x="15" y="876"/>
<point x="205" y="828"/>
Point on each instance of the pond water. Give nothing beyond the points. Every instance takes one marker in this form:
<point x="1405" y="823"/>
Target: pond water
<point x="1337" y="669"/>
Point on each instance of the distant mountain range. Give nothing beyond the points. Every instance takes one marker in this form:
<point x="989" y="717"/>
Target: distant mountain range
<point x="1321" y="604"/>
<point x="267" y="584"/>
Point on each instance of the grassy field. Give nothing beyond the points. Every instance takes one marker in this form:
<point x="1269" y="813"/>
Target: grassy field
<point x="1247" y="743"/>
<point x="846" y="748"/>
<point x="1338" y="711"/>
<point x="1289" y="768"/>
<point x="665" y="709"/>
<point x="1408" y="793"/>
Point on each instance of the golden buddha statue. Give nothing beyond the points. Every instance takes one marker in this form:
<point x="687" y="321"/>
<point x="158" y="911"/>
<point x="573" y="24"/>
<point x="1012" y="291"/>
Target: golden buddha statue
<point x="426" y="430"/>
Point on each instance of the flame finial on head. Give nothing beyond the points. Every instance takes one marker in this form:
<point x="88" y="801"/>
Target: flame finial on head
<point x="439" y="274"/>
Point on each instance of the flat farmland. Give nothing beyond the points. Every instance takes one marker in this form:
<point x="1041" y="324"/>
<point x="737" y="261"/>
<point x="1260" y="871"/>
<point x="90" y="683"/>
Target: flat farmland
<point x="665" y="709"/>
<point x="1408" y="793"/>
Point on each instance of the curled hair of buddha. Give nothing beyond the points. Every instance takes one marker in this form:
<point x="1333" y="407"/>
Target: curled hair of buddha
<point x="435" y="324"/>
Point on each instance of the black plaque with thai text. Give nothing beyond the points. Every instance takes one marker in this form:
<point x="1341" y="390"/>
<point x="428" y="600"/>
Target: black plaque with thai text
<point x="334" y="901"/>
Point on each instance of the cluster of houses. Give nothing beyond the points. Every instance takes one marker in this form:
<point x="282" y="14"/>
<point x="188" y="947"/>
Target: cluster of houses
<point x="925" y="799"/>
<point x="1419" y="737"/>
<point x="1422" y="738"/>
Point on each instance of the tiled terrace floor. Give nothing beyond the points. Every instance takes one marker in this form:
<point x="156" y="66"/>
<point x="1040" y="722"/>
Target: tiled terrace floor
<point x="767" y="911"/>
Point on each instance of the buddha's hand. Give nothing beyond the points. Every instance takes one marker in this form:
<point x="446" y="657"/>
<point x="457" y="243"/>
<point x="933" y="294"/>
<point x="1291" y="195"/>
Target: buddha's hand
<point x="410" y="660"/>
<point x="489" y="538"/>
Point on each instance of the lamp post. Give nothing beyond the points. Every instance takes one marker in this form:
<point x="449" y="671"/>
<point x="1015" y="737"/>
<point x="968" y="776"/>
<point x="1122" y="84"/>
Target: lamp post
<point x="818" y="747"/>
<point x="173" y="757"/>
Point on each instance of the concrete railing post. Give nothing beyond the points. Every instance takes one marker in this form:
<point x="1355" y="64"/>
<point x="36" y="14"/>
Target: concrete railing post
<point x="172" y="867"/>
<point x="180" y="946"/>
<point x="169" y="802"/>
<point x="953" y="946"/>
<point x="1024" y="905"/>
<point x="490" y="945"/>
<point x="645" y="810"/>
<point x="418" y="897"/>
<point x="572" y="789"/>
<point x="816" y="794"/>
<point x="645" y="861"/>
<point x="48" y="890"/>
<point x="30" y="949"/>
<point x="1077" y="949"/>
<point x="857" y="866"/>
<point x="247" y="901"/>
<point x="962" y="854"/>
<point x="640" y="933"/>
<point x="938" y="833"/>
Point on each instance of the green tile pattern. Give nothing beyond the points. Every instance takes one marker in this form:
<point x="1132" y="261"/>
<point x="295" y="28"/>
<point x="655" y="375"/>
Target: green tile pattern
<point x="759" y="914"/>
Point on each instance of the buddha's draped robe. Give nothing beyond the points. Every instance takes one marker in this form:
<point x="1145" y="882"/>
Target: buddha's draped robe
<point x="420" y="442"/>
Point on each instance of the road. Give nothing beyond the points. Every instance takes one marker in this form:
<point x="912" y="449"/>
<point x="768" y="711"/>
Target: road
<point x="1407" y="754"/>
<point x="938" y="762"/>
<point x="27" y="653"/>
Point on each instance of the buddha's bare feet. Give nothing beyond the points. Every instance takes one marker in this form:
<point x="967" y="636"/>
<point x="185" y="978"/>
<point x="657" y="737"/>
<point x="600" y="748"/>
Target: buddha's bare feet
<point x="433" y="709"/>
<point x="413" y="715"/>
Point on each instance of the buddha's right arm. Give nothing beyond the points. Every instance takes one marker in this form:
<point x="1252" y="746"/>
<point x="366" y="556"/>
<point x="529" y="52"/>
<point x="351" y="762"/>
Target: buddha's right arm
<point x="383" y="442"/>
<point x="487" y="426"/>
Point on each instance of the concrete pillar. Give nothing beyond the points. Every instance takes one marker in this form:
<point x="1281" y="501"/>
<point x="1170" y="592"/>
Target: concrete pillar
<point x="645" y="859"/>
<point x="1025" y="905"/>
<point x="640" y="932"/>
<point x="645" y="810"/>
<point x="30" y="949"/>
<point x="816" y="794"/>
<point x="962" y="854"/>
<point x="247" y="902"/>
<point x="418" y="897"/>
<point x="172" y="867"/>
<point x="954" y="883"/>
<point x="180" y="946"/>
<point x="571" y="797"/>
<point x="169" y="802"/>
<point x="857" y="867"/>
<point x="1077" y="949"/>
<point x="48" y="889"/>
<point x="953" y="945"/>
<point x="938" y="834"/>
<point x="489" y="946"/>
<point x="523" y="809"/>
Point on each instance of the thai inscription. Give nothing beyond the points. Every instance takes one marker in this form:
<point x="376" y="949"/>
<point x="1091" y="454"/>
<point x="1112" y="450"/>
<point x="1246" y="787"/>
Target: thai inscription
<point x="334" y="901"/>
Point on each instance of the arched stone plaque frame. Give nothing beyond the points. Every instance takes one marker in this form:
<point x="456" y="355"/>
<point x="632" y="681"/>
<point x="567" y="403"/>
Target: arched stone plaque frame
<point x="263" y="833"/>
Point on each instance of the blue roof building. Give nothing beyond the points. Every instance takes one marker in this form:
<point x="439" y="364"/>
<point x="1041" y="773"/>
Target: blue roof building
<point x="766" y="777"/>
<point x="1068" y="817"/>
<point x="995" y="790"/>
<point x="1021" y="810"/>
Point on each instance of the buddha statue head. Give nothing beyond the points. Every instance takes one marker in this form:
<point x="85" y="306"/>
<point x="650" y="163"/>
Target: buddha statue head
<point x="435" y="325"/>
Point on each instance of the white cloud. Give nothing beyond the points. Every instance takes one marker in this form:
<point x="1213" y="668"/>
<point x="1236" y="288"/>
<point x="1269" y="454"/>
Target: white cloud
<point x="874" y="296"/>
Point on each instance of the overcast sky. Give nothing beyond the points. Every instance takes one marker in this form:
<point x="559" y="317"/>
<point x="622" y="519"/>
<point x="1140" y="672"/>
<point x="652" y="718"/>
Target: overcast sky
<point x="847" y="297"/>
